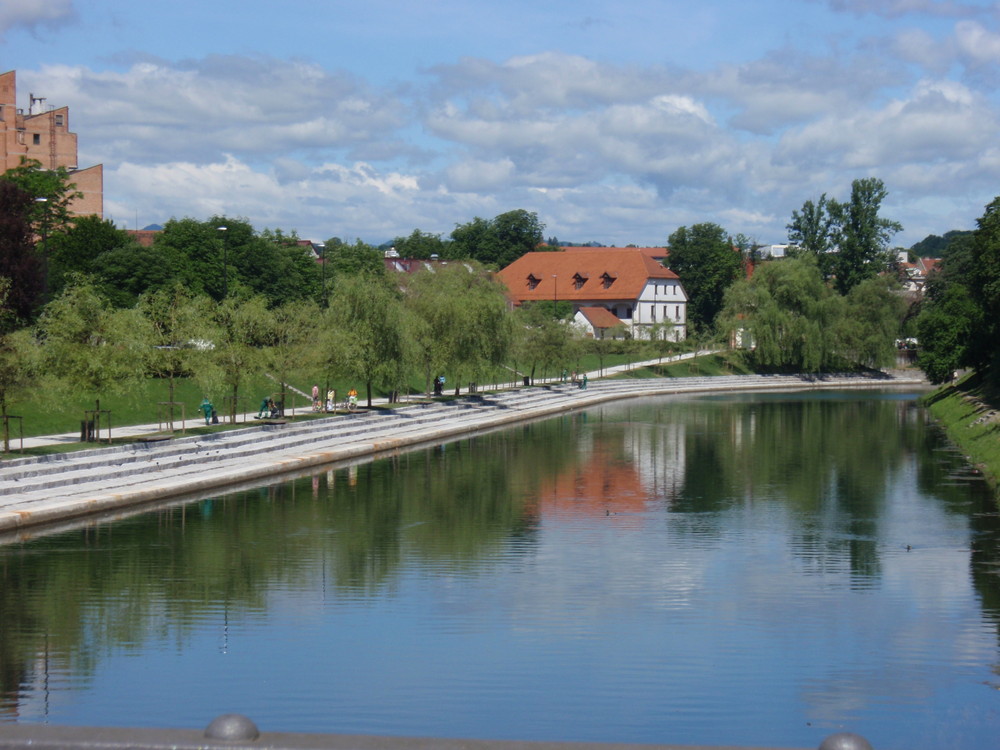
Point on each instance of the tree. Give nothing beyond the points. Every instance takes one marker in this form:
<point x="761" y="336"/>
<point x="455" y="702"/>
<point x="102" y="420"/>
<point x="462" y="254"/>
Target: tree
<point x="91" y="347"/>
<point x="368" y="311"/>
<point x="814" y="228"/>
<point x="51" y="192"/>
<point x="178" y="331"/>
<point x="238" y="333"/>
<point x="707" y="265"/>
<point x="78" y="248"/>
<point x="541" y="340"/>
<point x="499" y="242"/>
<point x="945" y="330"/>
<point x="352" y="260"/>
<point x="850" y="241"/>
<point x="19" y="263"/>
<point x="290" y="339"/>
<point x="863" y="248"/>
<point x="958" y="322"/>
<point x="459" y="321"/>
<point x="871" y="322"/>
<point x="984" y="286"/>
<point x="421" y="245"/>
<point x="18" y="358"/>
<point x="785" y="315"/>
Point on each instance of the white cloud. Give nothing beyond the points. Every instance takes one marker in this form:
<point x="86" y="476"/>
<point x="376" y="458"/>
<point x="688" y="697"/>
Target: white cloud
<point x="255" y="106"/>
<point x="977" y="44"/>
<point x="34" y="14"/>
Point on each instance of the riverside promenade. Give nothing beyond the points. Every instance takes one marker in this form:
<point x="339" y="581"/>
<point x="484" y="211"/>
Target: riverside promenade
<point x="47" y="492"/>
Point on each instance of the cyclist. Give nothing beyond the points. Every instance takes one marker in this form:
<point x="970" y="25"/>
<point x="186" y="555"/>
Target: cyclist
<point x="352" y="398"/>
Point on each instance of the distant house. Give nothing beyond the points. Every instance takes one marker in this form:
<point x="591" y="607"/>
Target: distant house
<point x="614" y="291"/>
<point x="915" y="275"/>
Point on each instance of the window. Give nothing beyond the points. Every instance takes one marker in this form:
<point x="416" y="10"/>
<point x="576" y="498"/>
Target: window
<point x="36" y="138"/>
<point x="677" y="313"/>
<point x="607" y="280"/>
<point x="579" y="280"/>
<point x="532" y="282"/>
<point x="59" y="121"/>
<point x="665" y="315"/>
<point x="652" y="310"/>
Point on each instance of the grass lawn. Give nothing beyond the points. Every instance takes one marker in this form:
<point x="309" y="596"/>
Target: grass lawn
<point x="970" y="413"/>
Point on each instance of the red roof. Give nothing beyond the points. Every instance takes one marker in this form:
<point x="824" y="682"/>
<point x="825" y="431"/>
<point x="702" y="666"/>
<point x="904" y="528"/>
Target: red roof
<point x="582" y="274"/>
<point x="600" y="317"/>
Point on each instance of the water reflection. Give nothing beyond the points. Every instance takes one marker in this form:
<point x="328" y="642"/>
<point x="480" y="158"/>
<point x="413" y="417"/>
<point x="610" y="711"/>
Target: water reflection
<point x="747" y="570"/>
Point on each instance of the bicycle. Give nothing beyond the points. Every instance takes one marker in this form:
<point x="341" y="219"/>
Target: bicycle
<point x="349" y="404"/>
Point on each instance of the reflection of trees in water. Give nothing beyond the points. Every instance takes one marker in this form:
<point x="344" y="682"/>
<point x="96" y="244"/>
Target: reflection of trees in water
<point x="828" y="460"/>
<point x="78" y="595"/>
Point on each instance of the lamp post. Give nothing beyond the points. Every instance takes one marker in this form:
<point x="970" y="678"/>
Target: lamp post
<point x="225" y="263"/>
<point x="45" y="247"/>
<point x="555" y="297"/>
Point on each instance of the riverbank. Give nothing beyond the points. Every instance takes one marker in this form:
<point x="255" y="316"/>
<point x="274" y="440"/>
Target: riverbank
<point x="108" y="482"/>
<point x="969" y="412"/>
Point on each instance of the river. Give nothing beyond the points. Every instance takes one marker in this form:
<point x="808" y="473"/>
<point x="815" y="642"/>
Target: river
<point x="755" y="569"/>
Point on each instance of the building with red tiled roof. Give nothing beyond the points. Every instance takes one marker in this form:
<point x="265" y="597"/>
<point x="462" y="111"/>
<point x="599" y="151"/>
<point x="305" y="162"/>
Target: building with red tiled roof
<point x="627" y="283"/>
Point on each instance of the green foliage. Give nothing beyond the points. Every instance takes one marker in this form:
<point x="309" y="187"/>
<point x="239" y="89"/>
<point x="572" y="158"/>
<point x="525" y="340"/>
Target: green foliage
<point x="89" y="346"/>
<point x="420" y="245"/>
<point x="944" y="330"/>
<point x="51" y="193"/>
<point x="934" y="246"/>
<point x="352" y="260"/>
<point x="499" y="242"/>
<point x="368" y="313"/>
<point x="788" y="314"/>
<point x="239" y="329"/>
<point x="544" y="341"/>
<point x="20" y="265"/>
<point x="707" y="264"/>
<point x="458" y="322"/>
<point x="870" y="323"/>
<point x="959" y="323"/>
<point x="849" y="241"/>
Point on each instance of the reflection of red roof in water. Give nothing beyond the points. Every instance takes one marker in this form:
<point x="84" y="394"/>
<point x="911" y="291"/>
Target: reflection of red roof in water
<point x="603" y="482"/>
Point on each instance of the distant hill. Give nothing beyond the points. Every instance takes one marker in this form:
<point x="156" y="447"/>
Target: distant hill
<point x="933" y="246"/>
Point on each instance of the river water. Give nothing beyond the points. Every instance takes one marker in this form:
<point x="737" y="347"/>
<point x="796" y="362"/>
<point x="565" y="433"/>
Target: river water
<point x="750" y="570"/>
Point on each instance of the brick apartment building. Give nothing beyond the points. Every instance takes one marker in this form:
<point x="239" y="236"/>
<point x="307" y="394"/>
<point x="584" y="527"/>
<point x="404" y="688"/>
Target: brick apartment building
<point x="43" y="133"/>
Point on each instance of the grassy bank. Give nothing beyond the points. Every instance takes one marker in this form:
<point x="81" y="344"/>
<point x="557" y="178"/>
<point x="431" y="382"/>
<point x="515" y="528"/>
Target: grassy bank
<point x="969" y="411"/>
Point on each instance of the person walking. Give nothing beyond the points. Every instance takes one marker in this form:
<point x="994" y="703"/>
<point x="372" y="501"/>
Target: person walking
<point x="207" y="409"/>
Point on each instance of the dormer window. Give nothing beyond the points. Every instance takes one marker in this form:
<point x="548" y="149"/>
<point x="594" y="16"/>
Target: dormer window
<point x="532" y="282"/>
<point x="579" y="279"/>
<point x="607" y="280"/>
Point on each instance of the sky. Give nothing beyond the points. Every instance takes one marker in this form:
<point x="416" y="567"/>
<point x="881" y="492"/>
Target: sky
<point x="614" y="121"/>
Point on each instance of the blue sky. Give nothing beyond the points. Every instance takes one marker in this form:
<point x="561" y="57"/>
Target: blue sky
<point x="616" y="122"/>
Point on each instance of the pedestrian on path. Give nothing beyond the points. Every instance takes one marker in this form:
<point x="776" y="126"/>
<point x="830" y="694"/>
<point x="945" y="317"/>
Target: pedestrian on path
<point x="207" y="409"/>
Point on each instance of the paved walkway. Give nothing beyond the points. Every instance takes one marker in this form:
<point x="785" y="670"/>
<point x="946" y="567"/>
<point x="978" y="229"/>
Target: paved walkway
<point x="250" y="418"/>
<point x="118" y="480"/>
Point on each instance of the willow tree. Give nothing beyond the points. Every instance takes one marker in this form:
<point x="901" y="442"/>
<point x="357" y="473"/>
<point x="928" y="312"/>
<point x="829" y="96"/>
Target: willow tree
<point x="459" y="321"/>
<point x="291" y="340"/>
<point x="89" y="347"/>
<point x="785" y="316"/>
<point x="238" y="332"/>
<point x="368" y="313"/>
<point x="178" y="329"/>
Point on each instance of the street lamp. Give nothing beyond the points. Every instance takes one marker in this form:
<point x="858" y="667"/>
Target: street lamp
<point x="225" y="264"/>
<point x="555" y="298"/>
<point x="45" y="248"/>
